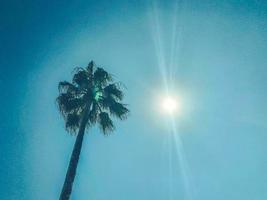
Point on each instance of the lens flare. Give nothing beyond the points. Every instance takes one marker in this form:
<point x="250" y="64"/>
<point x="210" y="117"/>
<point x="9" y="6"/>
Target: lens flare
<point x="170" y="105"/>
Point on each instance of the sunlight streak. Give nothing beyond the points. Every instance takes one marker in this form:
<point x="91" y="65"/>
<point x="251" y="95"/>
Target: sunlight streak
<point x="173" y="43"/>
<point x="185" y="170"/>
<point x="170" y="167"/>
<point x="176" y="36"/>
<point x="157" y="35"/>
<point x="167" y="70"/>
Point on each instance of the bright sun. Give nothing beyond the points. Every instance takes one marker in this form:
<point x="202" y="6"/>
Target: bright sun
<point x="170" y="105"/>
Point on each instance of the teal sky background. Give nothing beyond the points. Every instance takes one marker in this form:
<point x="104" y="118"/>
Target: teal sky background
<point x="211" y="54"/>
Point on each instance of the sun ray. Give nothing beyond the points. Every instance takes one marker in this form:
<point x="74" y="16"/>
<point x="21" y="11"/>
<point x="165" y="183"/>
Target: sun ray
<point x="176" y="35"/>
<point x="170" y="167"/>
<point x="167" y="73"/>
<point x="157" y="36"/>
<point x="173" y="42"/>
<point x="184" y="168"/>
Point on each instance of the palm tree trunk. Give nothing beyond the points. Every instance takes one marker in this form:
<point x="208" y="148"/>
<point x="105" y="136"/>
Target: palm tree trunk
<point x="69" y="179"/>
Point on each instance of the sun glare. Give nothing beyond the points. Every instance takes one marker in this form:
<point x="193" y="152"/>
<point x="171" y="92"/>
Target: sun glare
<point x="170" y="105"/>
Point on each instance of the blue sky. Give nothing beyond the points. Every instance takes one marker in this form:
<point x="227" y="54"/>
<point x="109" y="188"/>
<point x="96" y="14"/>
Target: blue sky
<point x="211" y="54"/>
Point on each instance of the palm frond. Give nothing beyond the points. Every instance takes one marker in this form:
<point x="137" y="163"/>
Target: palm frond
<point x="113" y="89"/>
<point x="67" y="87"/>
<point x="93" y="114"/>
<point x="115" y="108"/>
<point x="72" y="122"/>
<point x="119" y="110"/>
<point x="105" y="123"/>
<point x="101" y="76"/>
<point x="81" y="77"/>
<point x="90" y="67"/>
<point x="67" y="103"/>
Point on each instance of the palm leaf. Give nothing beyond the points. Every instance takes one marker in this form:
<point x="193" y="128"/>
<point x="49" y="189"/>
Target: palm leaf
<point x="81" y="77"/>
<point x="116" y="108"/>
<point x="101" y="76"/>
<point x="72" y="122"/>
<point x="67" y="87"/>
<point x="105" y="123"/>
<point x="119" y="110"/>
<point x="68" y="103"/>
<point x="93" y="114"/>
<point x="113" y="90"/>
<point x="90" y="67"/>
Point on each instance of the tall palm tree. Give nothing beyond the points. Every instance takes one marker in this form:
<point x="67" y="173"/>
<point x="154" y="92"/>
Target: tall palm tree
<point x="92" y="97"/>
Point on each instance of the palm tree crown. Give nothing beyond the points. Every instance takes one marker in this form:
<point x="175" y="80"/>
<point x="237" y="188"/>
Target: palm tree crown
<point x="92" y="96"/>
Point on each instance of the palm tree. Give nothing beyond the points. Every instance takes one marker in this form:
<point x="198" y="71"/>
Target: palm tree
<point x="92" y="97"/>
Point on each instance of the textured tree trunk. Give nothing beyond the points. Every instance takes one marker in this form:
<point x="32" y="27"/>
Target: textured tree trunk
<point x="69" y="179"/>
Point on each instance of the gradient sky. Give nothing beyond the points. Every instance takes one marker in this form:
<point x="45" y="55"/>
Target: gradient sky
<point x="211" y="54"/>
